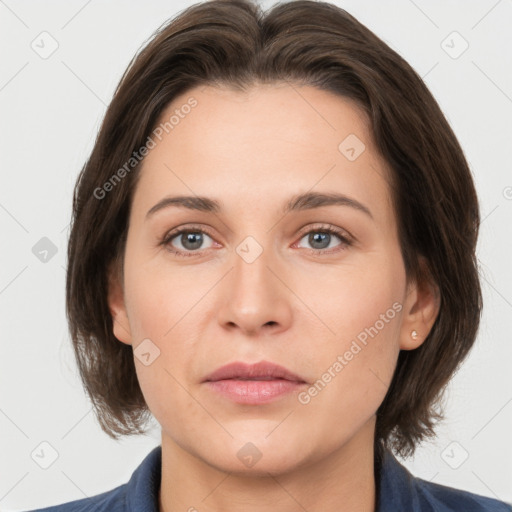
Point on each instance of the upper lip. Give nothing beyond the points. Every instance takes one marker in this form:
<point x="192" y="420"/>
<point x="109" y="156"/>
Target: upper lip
<point x="263" y="370"/>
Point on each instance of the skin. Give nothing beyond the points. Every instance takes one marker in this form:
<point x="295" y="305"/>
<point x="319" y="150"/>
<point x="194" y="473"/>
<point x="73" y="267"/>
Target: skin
<point x="294" y="306"/>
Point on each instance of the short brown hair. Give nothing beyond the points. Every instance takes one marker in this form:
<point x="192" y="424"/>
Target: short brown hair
<point x="234" y="43"/>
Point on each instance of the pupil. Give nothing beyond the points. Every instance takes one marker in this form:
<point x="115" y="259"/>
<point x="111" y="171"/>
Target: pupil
<point x="319" y="238"/>
<point x="194" y="239"/>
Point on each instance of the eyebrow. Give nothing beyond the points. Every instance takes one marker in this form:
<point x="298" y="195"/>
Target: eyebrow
<point x="306" y="201"/>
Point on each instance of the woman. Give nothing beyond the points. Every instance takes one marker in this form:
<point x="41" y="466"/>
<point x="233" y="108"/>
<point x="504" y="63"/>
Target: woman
<point x="273" y="253"/>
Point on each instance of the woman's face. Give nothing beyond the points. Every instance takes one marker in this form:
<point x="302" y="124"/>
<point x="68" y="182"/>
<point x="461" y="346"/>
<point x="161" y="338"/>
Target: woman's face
<point x="259" y="281"/>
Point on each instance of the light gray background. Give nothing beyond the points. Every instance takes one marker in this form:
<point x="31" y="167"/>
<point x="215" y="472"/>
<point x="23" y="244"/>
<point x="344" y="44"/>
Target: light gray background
<point x="50" y="113"/>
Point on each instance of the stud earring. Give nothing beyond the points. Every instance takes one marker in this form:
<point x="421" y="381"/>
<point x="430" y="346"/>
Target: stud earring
<point x="414" y="335"/>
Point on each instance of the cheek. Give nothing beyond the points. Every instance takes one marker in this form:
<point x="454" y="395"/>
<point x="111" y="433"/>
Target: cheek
<point x="158" y="312"/>
<point x="161" y="298"/>
<point x="354" y="369"/>
<point x="352" y="381"/>
<point x="360" y="302"/>
<point x="171" y="403"/>
<point x="163" y="307"/>
<point x="356" y="364"/>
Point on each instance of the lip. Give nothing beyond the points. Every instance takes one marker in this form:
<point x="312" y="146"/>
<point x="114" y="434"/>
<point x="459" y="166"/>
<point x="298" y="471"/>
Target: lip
<point x="254" y="384"/>
<point x="264" y="370"/>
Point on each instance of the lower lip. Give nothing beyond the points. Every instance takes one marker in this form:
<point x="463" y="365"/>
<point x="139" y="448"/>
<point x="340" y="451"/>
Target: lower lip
<point x="254" y="391"/>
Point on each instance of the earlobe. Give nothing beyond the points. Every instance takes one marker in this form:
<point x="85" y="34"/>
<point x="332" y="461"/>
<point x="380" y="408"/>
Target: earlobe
<point x="117" y="307"/>
<point x="421" y="309"/>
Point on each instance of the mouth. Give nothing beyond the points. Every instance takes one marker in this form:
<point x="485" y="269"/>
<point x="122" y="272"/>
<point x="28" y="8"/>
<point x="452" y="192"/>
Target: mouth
<point x="253" y="384"/>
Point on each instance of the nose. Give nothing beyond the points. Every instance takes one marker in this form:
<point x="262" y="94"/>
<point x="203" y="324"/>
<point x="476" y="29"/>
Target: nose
<point x="255" y="297"/>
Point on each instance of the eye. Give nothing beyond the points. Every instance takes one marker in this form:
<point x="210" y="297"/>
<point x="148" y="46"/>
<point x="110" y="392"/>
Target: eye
<point x="186" y="242"/>
<point x="324" y="237"/>
<point x="190" y="241"/>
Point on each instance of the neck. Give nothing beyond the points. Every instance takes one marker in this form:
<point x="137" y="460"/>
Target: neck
<point x="342" y="480"/>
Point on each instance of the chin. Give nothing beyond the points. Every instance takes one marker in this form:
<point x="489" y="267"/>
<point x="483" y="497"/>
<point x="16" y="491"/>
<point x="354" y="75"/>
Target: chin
<point x="257" y="455"/>
<point x="275" y="464"/>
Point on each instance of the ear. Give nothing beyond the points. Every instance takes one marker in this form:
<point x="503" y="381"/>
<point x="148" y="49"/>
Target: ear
<point x="117" y="306"/>
<point x="421" y="307"/>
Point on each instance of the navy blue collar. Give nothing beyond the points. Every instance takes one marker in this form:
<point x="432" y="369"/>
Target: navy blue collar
<point x="396" y="488"/>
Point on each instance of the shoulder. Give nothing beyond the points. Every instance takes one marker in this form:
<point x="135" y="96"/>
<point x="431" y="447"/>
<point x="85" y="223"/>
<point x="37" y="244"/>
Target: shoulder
<point x="139" y="493"/>
<point x="398" y="489"/>
<point x="112" y="501"/>
<point x="449" y="499"/>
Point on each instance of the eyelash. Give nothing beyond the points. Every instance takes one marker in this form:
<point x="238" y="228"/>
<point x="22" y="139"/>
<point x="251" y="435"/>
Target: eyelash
<point x="346" y="241"/>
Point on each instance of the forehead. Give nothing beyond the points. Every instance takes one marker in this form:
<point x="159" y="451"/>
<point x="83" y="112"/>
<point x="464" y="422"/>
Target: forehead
<point x="262" y="144"/>
<point x="277" y="114"/>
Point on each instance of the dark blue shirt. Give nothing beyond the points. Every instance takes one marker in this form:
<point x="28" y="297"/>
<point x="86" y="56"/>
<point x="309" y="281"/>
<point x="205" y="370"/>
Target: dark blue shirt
<point x="397" y="490"/>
